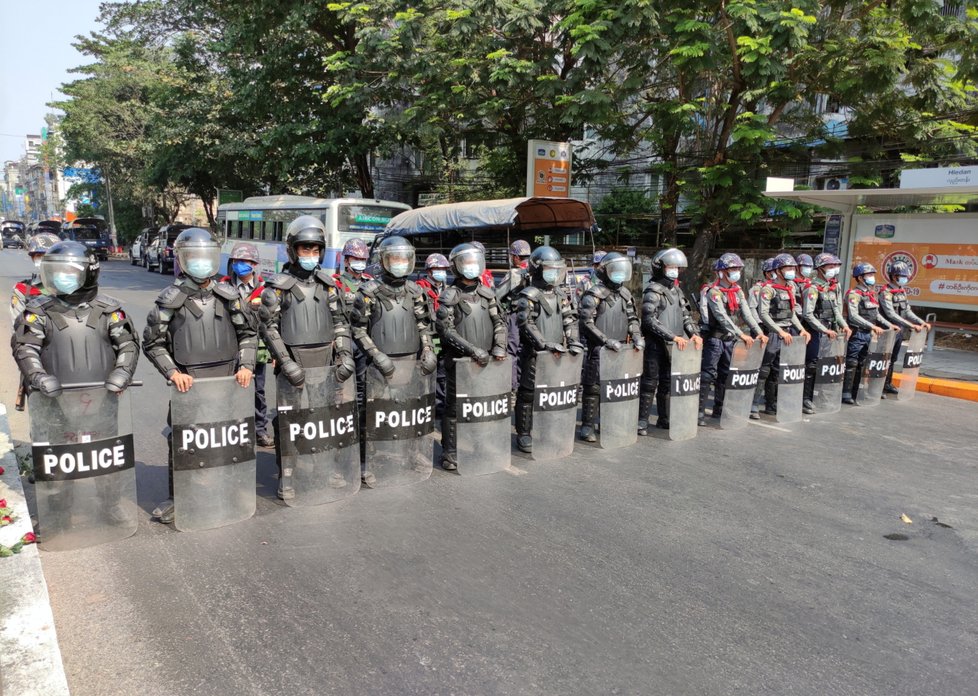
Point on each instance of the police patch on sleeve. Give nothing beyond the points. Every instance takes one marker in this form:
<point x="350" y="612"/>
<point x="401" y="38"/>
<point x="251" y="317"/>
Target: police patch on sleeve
<point x="31" y="318"/>
<point x="117" y="316"/>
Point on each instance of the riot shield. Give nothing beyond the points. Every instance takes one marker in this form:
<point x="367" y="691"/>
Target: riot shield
<point x="483" y="417"/>
<point x="791" y="381"/>
<point x="400" y="424"/>
<point x="213" y="444"/>
<point x="84" y="467"/>
<point x="741" y="383"/>
<point x="913" y="358"/>
<point x="317" y="436"/>
<point x="555" y="405"/>
<point x="830" y="371"/>
<point x="876" y="368"/>
<point x="620" y="373"/>
<point x="684" y="392"/>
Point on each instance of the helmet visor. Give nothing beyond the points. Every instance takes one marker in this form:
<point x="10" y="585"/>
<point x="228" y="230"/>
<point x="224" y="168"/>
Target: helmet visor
<point x="619" y="270"/>
<point x="398" y="260"/>
<point x="554" y="272"/>
<point x="200" y="262"/>
<point x="469" y="264"/>
<point x="63" y="276"/>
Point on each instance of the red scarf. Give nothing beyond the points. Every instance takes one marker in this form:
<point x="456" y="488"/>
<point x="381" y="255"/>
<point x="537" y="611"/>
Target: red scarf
<point x="787" y="289"/>
<point x="733" y="305"/>
<point x="867" y="293"/>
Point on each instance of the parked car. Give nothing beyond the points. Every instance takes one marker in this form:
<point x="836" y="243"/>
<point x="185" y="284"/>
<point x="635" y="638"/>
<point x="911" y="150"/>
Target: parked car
<point x="137" y="250"/>
<point x="93" y="232"/>
<point x="11" y="234"/>
<point x="159" y="253"/>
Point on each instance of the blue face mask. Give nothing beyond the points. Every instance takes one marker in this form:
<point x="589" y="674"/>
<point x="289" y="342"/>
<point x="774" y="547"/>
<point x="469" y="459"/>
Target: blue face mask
<point x="733" y="276"/>
<point x="902" y="280"/>
<point x="618" y="277"/>
<point x="439" y="276"/>
<point x="789" y="275"/>
<point x="66" y="283"/>
<point x="308" y="263"/>
<point x="470" y="271"/>
<point x="200" y="268"/>
<point x="399" y="269"/>
<point x="242" y="269"/>
<point x="550" y="275"/>
<point x="870" y="280"/>
<point x="807" y="271"/>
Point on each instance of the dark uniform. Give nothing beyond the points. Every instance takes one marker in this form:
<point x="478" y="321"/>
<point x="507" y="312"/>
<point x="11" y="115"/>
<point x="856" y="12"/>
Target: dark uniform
<point x="777" y="311"/>
<point x="250" y="295"/>
<point x="821" y="312"/>
<point x="470" y="324"/>
<point x="863" y="313"/>
<point x="608" y="319"/>
<point x="895" y="307"/>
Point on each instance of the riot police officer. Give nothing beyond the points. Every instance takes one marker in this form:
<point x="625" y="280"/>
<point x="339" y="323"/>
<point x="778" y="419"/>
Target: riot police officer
<point x="198" y="328"/>
<point x="470" y="324"/>
<point x="507" y="291"/>
<point x="768" y="274"/>
<point x="608" y="320"/>
<point x="434" y="283"/>
<point x="666" y="320"/>
<point x="391" y="317"/>
<point x="32" y="287"/>
<point x="865" y="320"/>
<point x="244" y="277"/>
<point x="547" y="321"/>
<point x="722" y="302"/>
<point x="822" y="314"/>
<point x="302" y="316"/>
<point x="895" y="306"/>
<point x="779" y="319"/>
<point x="72" y="334"/>
<point x="355" y="255"/>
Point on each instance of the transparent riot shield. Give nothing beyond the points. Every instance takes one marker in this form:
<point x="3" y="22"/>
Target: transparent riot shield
<point x="483" y="416"/>
<point x="555" y="405"/>
<point x="830" y="371"/>
<point x="741" y="383"/>
<point x="84" y="467"/>
<point x="620" y="373"/>
<point x="684" y="392"/>
<point x="213" y="444"/>
<point x="913" y="358"/>
<point x="317" y="436"/>
<point x="791" y="381"/>
<point x="876" y="367"/>
<point x="400" y="424"/>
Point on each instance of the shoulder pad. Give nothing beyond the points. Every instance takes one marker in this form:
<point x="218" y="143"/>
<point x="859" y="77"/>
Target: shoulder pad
<point x="767" y="292"/>
<point x="532" y="293"/>
<point x="599" y="291"/>
<point x="450" y="295"/>
<point x="660" y="289"/>
<point x="412" y="288"/>
<point x="625" y="292"/>
<point x="226" y="291"/>
<point x="370" y="287"/>
<point x="172" y="297"/>
<point x="39" y="304"/>
<point x="325" y="278"/>
<point x="107" y="303"/>
<point x="485" y="292"/>
<point x="281" y="281"/>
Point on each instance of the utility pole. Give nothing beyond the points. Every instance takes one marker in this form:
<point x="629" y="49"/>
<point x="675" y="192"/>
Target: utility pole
<point x="108" y="195"/>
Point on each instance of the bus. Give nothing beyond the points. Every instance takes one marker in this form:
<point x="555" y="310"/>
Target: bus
<point x="262" y="220"/>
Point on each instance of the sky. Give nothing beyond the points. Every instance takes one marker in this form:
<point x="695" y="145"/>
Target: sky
<point x="37" y="54"/>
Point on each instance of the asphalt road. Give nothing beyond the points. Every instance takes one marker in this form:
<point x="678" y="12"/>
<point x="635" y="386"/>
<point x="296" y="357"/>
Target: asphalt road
<point x="739" y="562"/>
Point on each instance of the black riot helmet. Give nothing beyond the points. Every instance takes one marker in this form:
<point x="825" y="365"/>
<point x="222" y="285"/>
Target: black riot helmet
<point x="468" y="261"/>
<point x="547" y="267"/>
<point x="615" y="269"/>
<point x="396" y="257"/>
<point x="305" y="229"/>
<point x="667" y="258"/>
<point x="69" y="270"/>
<point x="198" y="253"/>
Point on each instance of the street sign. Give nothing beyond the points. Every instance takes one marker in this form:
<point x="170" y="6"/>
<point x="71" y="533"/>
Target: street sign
<point x="548" y="168"/>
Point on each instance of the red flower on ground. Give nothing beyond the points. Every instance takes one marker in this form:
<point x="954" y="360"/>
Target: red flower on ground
<point x="29" y="538"/>
<point x="3" y="502"/>
<point x="6" y="519"/>
<point x="1" y="471"/>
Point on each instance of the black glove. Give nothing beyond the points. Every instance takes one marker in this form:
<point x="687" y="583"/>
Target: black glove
<point x="46" y="384"/>
<point x="345" y="367"/>
<point x="555" y="348"/>
<point x="429" y="363"/>
<point x="499" y="352"/>
<point x="481" y="357"/>
<point x="117" y="380"/>
<point x="293" y="372"/>
<point x="384" y="364"/>
<point x="613" y="345"/>
<point x="575" y="348"/>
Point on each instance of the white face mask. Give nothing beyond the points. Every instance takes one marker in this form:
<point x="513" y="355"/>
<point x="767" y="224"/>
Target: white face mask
<point x="733" y="276"/>
<point x="807" y="271"/>
<point x="902" y="280"/>
<point x="672" y="273"/>
<point x="37" y="262"/>
<point x="789" y="275"/>
<point x="358" y="266"/>
<point x="831" y="273"/>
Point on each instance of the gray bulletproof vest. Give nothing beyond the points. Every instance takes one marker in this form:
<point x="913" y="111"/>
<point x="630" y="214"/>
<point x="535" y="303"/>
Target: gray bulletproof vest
<point x="671" y="315"/>
<point x="900" y="303"/>
<point x="472" y="320"/>
<point x="207" y="339"/>
<point x="305" y="319"/>
<point x="869" y="308"/>
<point x="77" y="352"/>
<point x="825" y="305"/>
<point x="781" y="308"/>
<point x="549" y="320"/>
<point x="394" y="328"/>
<point x="612" y="319"/>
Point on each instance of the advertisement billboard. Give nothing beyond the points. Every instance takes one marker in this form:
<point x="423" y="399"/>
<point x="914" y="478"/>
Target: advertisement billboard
<point x="548" y="168"/>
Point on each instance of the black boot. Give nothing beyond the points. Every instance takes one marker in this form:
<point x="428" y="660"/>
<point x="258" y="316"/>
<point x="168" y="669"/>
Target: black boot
<point x="771" y="393"/>
<point x="449" y="461"/>
<point x="524" y="421"/>
<point x="704" y="395"/>
<point x="888" y="387"/>
<point x="662" y="408"/>
<point x="849" y="386"/>
<point x="807" y="404"/>
<point x="644" y="406"/>
<point x="718" y="391"/>
<point x="589" y="416"/>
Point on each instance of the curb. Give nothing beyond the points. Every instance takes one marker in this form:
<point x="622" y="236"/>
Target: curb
<point x="943" y="387"/>
<point x="30" y="659"/>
